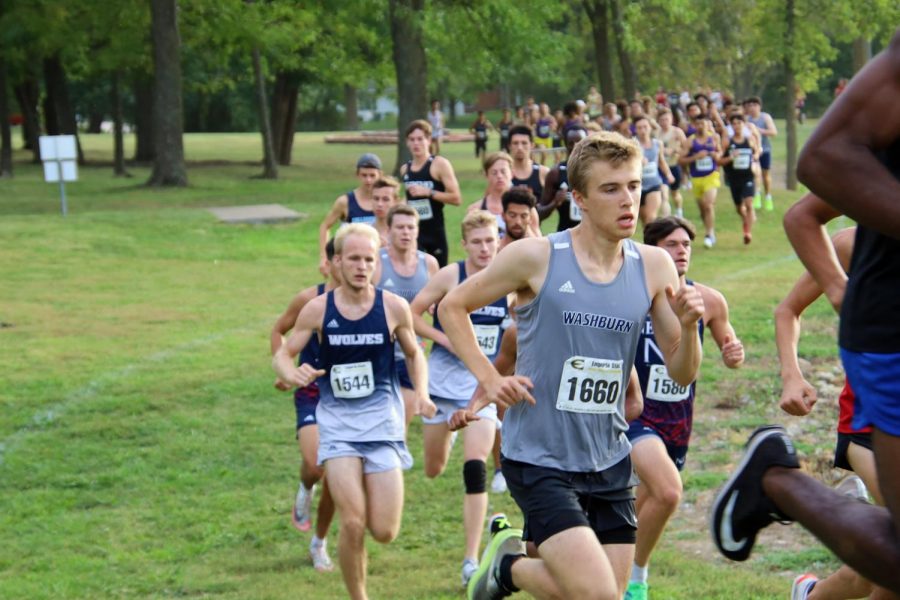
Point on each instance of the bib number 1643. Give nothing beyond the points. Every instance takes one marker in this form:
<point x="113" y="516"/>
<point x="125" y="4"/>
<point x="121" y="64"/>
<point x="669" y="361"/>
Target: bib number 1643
<point x="590" y="385"/>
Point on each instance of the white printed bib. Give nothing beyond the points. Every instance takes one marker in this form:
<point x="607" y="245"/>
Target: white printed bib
<point x="650" y="170"/>
<point x="590" y="385"/>
<point x="742" y="160"/>
<point x="661" y="388"/>
<point x="574" y="211"/>
<point x="352" y="380"/>
<point x="423" y="207"/>
<point x="488" y="336"/>
<point x="704" y="164"/>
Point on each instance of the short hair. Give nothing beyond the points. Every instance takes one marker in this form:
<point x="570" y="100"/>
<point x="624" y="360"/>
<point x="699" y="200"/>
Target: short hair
<point x="570" y="109"/>
<point x="638" y="118"/>
<point x="521" y="130"/>
<point x="701" y="95"/>
<point x="690" y="104"/>
<point x="476" y="220"/>
<point x="349" y="229"/>
<point x="736" y="116"/>
<point x="422" y="124"/>
<point x="401" y="209"/>
<point x="518" y="194"/>
<point x="329" y="249"/>
<point x="495" y="157"/>
<point x="662" y="227"/>
<point x="663" y="111"/>
<point x="604" y="146"/>
<point x="753" y="100"/>
<point x="386" y="181"/>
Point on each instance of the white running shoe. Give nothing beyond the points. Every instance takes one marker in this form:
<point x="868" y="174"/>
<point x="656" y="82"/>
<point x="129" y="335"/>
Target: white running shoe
<point x="802" y="586"/>
<point x="469" y="566"/>
<point x="302" y="511"/>
<point x="319" y="555"/>
<point x="498" y="483"/>
<point x="852" y="486"/>
<point x="709" y="241"/>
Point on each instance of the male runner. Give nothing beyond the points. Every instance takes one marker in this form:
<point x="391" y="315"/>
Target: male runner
<point x="525" y="171"/>
<point x="451" y="385"/>
<point x="654" y="164"/>
<point x="436" y="120"/>
<point x="767" y="130"/>
<point x="305" y="401"/>
<point x="519" y="216"/>
<point x="353" y="207"/>
<point x="480" y="128"/>
<point x="503" y="127"/>
<point x="672" y="138"/>
<point x="582" y="297"/>
<point x="660" y="436"/>
<point x="557" y="195"/>
<point x="852" y="161"/>
<point x="737" y="159"/>
<point x="700" y="153"/>
<point x="544" y="128"/>
<point x="430" y="184"/>
<point x="385" y="194"/>
<point x="360" y="412"/>
<point x="404" y="270"/>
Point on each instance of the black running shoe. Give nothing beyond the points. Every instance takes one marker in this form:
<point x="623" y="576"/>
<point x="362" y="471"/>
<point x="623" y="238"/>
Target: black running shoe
<point x="741" y="509"/>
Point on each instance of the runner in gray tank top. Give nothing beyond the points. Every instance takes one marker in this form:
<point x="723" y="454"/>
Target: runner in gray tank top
<point x="404" y="270"/>
<point x="582" y="297"/>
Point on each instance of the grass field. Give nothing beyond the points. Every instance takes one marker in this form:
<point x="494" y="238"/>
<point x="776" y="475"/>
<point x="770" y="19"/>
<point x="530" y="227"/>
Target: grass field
<point x="145" y="453"/>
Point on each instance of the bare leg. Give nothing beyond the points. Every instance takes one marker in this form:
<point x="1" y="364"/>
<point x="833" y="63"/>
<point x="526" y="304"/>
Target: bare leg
<point x="436" y="440"/>
<point x="650" y="208"/>
<point x="308" y="440"/>
<point x="659" y="494"/>
<point x="478" y="438"/>
<point x="325" y="512"/>
<point x="865" y="537"/>
<point x="409" y="405"/>
<point x="384" y="504"/>
<point x="345" y="476"/>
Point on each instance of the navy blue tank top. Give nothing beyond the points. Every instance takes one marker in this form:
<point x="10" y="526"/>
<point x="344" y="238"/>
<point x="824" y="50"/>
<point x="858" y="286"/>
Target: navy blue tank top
<point x="431" y="212"/>
<point x="668" y="406"/>
<point x="533" y="182"/>
<point x="310" y="356"/>
<point x="569" y="214"/>
<point x="355" y="212"/>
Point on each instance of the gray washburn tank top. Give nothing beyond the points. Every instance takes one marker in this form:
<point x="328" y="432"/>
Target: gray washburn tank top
<point x="577" y="342"/>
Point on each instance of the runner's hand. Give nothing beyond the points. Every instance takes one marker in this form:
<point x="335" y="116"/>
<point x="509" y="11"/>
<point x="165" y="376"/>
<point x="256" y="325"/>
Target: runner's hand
<point x="324" y="268"/>
<point x="304" y="375"/>
<point x="282" y="385"/>
<point x="732" y="352"/>
<point x="686" y="303"/>
<point x="797" y="397"/>
<point x="507" y="391"/>
<point x="461" y="418"/>
<point x="425" y="407"/>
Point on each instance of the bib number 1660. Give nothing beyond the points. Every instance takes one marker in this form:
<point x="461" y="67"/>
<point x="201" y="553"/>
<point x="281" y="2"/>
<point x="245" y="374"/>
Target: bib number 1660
<point x="590" y="385"/>
<point x="597" y="391"/>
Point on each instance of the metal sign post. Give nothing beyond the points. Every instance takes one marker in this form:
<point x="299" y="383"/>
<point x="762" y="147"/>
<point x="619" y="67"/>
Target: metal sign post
<point x="59" y="154"/>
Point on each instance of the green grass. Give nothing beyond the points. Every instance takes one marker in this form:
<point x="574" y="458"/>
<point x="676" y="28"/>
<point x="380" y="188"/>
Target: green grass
<point x="144" y="450"/>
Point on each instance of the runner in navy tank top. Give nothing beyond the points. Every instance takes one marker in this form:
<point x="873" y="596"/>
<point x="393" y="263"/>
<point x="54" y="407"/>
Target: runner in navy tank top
<point x="430" y="184"/>
<point x="524" y="170"/>
<point x="852" y="161"/>
<point x="353" y="207"/>
<point x="557" y="195"/>
<point x="582" y="296"/>
<point x="360" y="413"/>
<point x="660" y="436"/>
<point x="305" y="402"/>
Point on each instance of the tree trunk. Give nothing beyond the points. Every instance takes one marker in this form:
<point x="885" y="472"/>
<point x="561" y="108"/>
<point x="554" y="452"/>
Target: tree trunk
<point x="284" y="114"/>
<point x="862" y="53"/>
<point x="144" y="146"/>
<point x="6" y="167"/>
<point x="95" y="122"/>
<point x="27" y="94"/>
<point x="58" y="102"/>
<point x="410" y="65"/>
<point x="598" y="14"/>
<point x="115" y="100"/>
<point x="168" y="112"/>
<point x="351" y="107"/>
<point x="629" y="75"/>
<point x="790" y="83"/>
<point x="270" y="168"/>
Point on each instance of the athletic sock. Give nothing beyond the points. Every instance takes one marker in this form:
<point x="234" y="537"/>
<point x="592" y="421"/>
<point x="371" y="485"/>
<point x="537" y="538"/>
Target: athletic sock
<point x="505" y="572"/>
<point x="639" y="574"/>
<point x="316" y="542"/>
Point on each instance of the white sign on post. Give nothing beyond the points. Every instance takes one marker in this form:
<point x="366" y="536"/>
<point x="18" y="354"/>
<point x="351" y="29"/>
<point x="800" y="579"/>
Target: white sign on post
<point x="59" y="154"/>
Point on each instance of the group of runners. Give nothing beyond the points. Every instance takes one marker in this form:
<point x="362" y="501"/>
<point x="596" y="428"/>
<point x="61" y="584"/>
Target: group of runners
<point x="582" y="349"/>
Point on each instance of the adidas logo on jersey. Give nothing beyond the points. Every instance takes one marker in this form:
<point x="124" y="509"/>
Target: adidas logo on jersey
<point x="309" y="419"/>
<point x="332" y="323"/>
<point x="389" y="283"/>
<point x="567" y="288"/>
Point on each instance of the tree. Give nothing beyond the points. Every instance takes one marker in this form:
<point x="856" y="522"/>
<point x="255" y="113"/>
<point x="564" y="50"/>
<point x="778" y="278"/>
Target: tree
<point x="6" y="167"/>
<point x="598" y="14"/>
<point x="168" y="115"/>
<point x="629" y="75"/>
<point x="411" y="66"/>
<point x="270" y="167"/>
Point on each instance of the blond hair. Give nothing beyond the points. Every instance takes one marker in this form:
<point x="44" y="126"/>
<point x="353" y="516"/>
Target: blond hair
<point x="387" y="181"/>
<point x="349" y="229"/>
<point x="476" y="220"/>
<point x="605" y="146"/>
<point x="495" y="157"/>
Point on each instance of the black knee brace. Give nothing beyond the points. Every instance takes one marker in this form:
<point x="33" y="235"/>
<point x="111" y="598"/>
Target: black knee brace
<point x="475" y="476"/>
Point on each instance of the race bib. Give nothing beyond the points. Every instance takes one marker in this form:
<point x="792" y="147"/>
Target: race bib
<point x="544" y="131"/>
<point x="650" y="171"/>
<point x="481" y="134"/>
<point x="590" y="385"/>
<point x="742" y="160"/>
<point x="504" y="133"/>
<point x="705" y="164"/>
<point x="352" y="380"/>
<point x="662" y="389"/>
<point x="488" y="336"/>
<point x="423" y="207"/>
<point x="574" y="211"/>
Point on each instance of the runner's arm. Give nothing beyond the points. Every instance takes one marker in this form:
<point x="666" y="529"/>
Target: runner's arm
<point x="715" y="316"/>
<point x="804" y="224"/>
<point x="634" y="399"/>
<point x="436" y="288"/>
<point x="284" y="361"/>
<point x="415" y="359"/>
<point x="445" y="175"/>
<point x="337" y="213"/>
